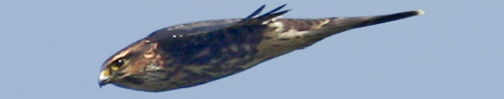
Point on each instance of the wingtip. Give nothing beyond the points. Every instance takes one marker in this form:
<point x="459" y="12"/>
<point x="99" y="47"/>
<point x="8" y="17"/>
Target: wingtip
<point x="419" y="12"/>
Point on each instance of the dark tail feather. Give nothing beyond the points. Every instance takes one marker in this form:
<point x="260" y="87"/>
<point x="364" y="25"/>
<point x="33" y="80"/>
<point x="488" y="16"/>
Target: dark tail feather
<point x="373" y="20"/>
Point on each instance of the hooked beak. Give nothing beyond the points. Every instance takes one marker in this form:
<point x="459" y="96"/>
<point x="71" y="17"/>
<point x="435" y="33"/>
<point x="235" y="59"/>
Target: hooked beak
<point x="104" y="78"/>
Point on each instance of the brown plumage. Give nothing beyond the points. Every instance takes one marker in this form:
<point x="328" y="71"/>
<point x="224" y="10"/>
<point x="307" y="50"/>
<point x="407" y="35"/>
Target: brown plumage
<point x="195" y="53"/>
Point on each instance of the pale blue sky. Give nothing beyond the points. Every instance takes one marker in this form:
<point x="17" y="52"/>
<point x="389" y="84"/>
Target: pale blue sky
<point x="53" y="49"/>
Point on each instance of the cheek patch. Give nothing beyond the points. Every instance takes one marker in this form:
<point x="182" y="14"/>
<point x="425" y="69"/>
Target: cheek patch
<point x="114" y="68"/>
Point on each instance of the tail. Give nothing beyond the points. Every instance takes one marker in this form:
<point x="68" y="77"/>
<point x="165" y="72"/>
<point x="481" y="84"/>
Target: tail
<point x="328" y="26"/>
<point x="314" y="30"/>
<point x="357" y="22"/>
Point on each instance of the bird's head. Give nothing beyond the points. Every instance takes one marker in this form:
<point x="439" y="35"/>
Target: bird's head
<point x="127" y="67"/>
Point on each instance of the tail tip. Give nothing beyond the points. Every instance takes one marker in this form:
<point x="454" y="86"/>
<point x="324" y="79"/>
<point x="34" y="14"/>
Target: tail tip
<point x="419" y="12"/>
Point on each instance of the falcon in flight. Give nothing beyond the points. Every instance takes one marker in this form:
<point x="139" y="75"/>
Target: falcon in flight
<point x="195" y="53"/>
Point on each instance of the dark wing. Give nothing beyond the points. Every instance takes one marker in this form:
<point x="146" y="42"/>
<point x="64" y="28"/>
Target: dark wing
<point x="184" y="42"/>
<point x="190" y="29"/>
<point x="203" y="27"/>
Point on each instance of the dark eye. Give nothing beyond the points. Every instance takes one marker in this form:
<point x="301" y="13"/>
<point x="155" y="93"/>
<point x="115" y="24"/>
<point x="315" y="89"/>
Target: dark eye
<point x="119" y="62"/>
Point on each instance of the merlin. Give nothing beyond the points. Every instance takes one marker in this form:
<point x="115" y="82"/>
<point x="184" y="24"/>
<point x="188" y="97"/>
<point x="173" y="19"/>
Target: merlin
<point x="196" y="53"/>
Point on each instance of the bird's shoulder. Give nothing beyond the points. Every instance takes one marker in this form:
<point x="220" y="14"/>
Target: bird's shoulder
<point x="193" y="28"/>
<point x="218" y="27"/>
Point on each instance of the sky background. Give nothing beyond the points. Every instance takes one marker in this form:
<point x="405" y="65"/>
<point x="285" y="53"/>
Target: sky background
<point x="53" y="49"/>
